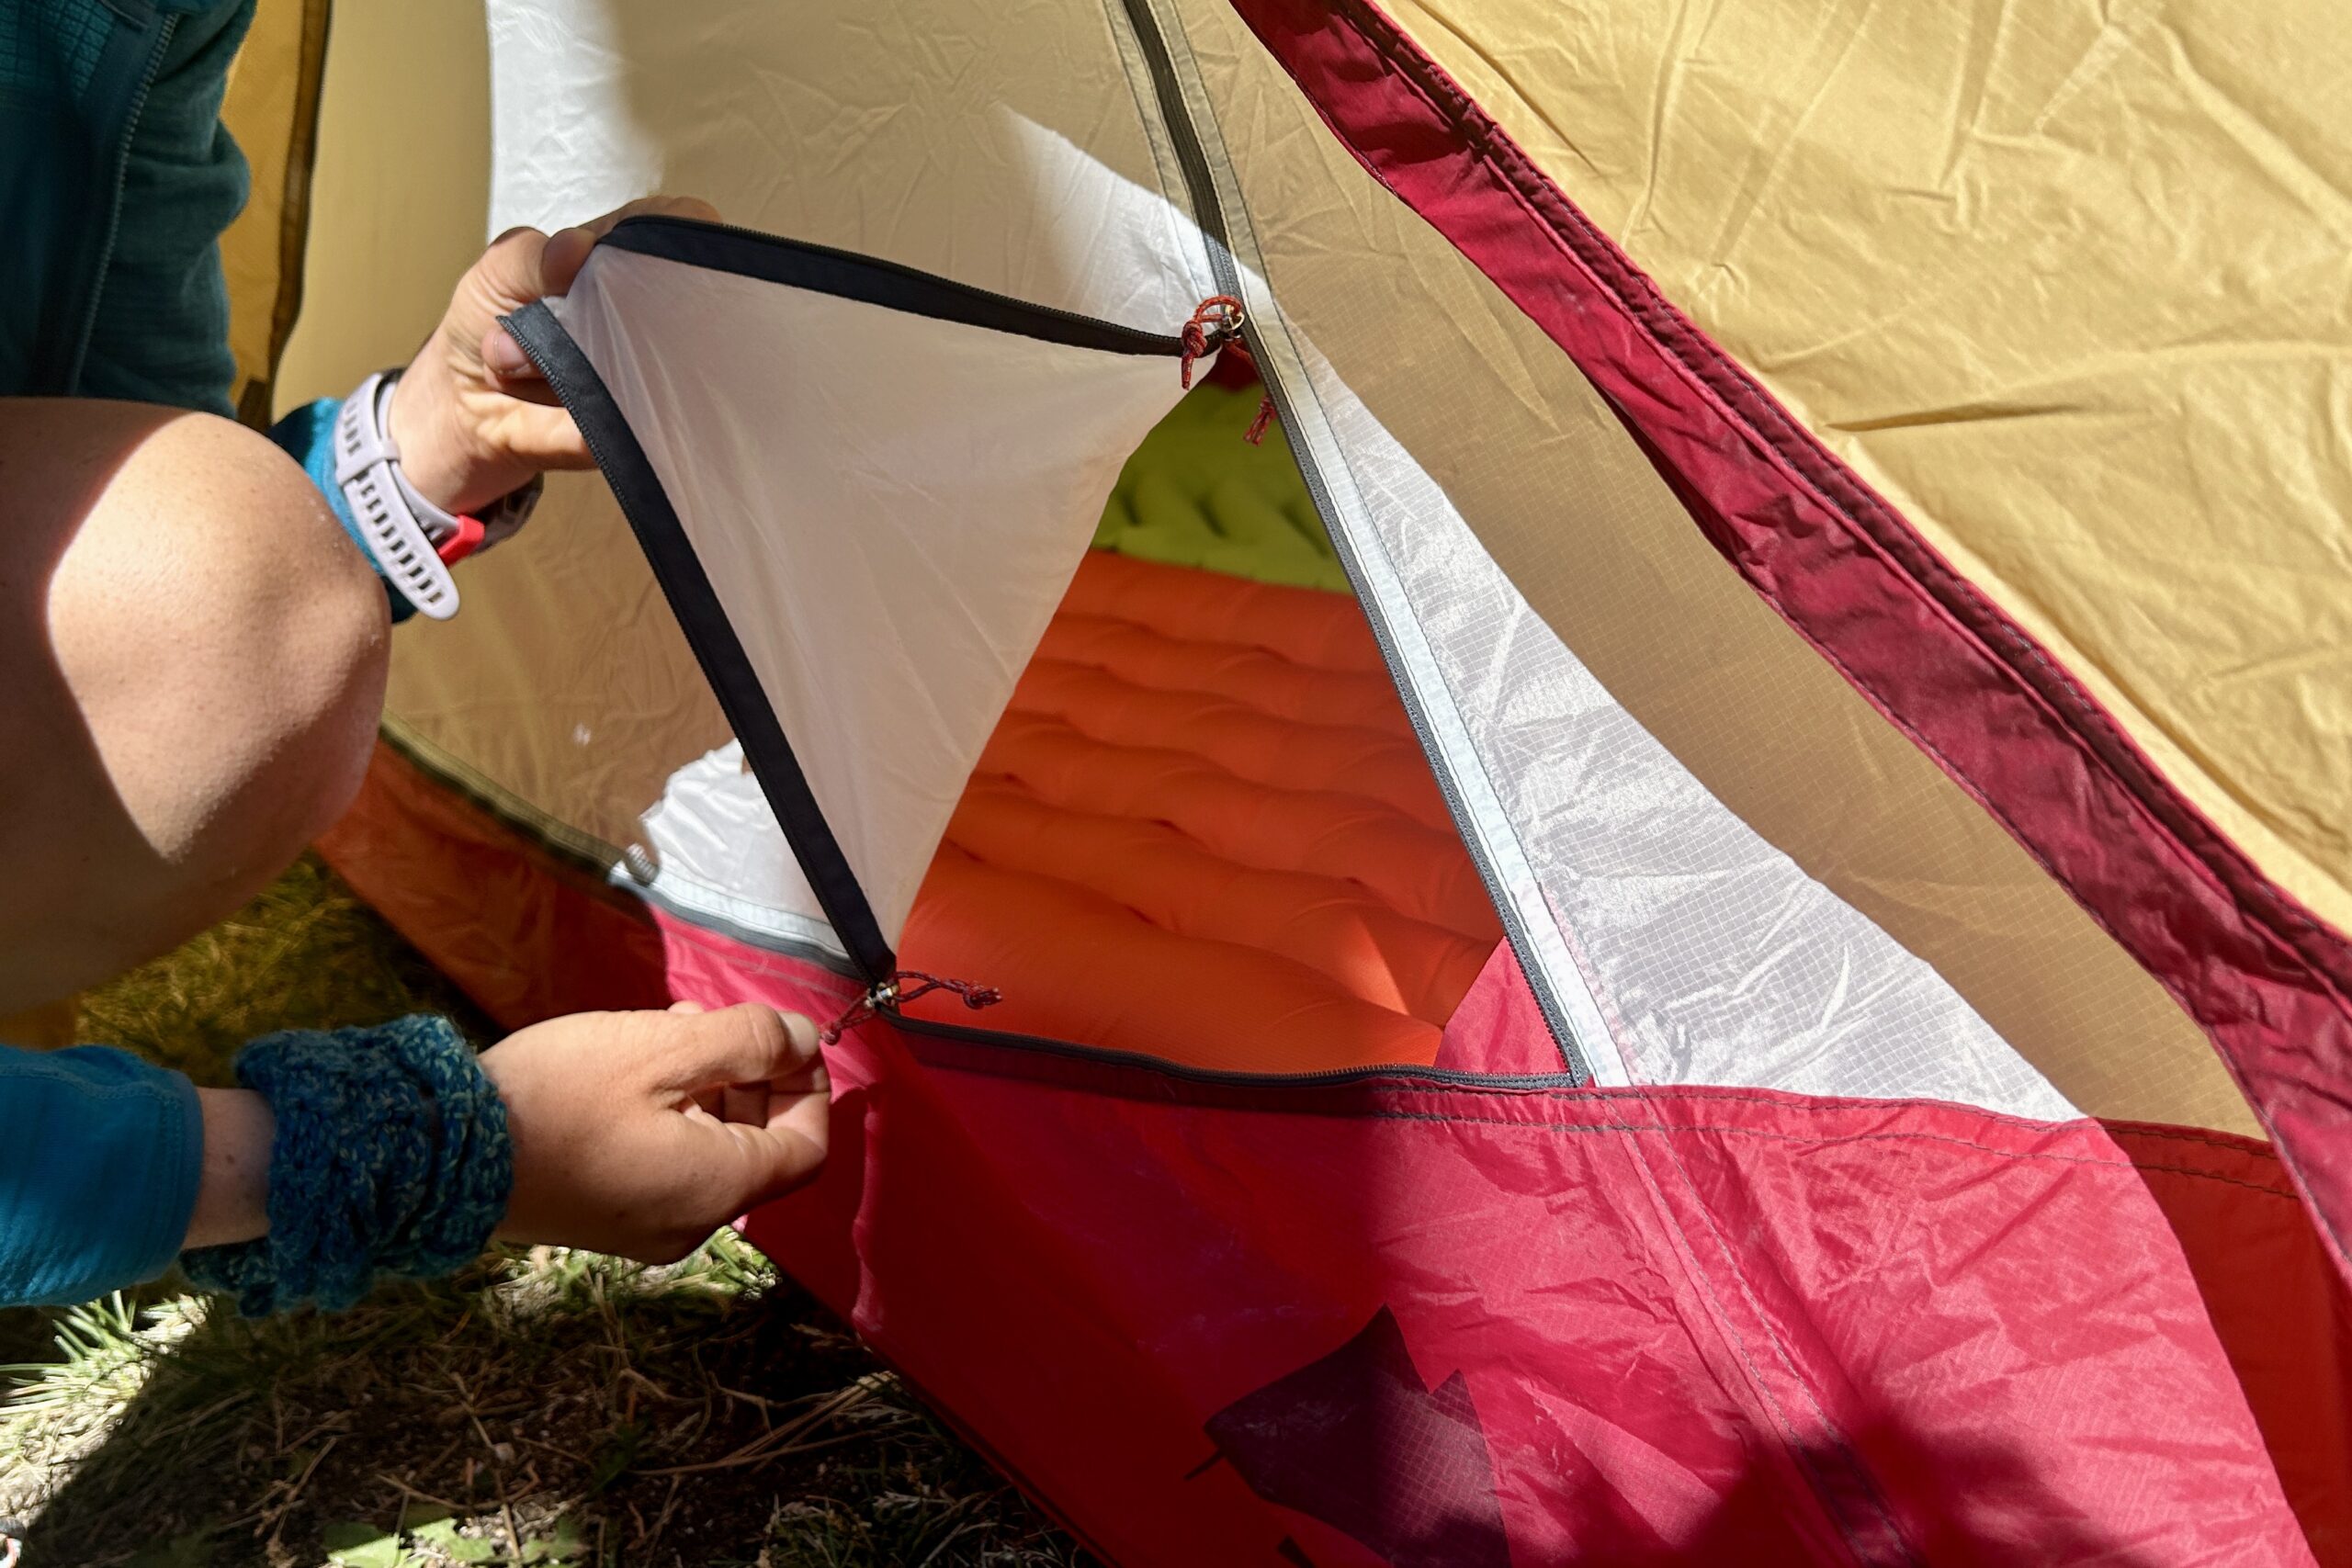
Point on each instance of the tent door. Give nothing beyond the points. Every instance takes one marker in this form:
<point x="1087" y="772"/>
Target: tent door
<point x="821" y="455"/>
<point x="864" y="522"/>
<point x="1162" y="67"/>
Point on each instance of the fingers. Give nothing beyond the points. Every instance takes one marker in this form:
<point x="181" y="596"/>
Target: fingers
<point x="524" y="265"/>
<point x="745" y="1104"/>
<point x="504" y="358"/>
<point x="784" y="1154"/>
<point x="804" y="1116"/>
<point x="567" y="251"/>
<point x="536" y="436"/>
<point x="747" y="1043"/>
<point x="511" y="271"/>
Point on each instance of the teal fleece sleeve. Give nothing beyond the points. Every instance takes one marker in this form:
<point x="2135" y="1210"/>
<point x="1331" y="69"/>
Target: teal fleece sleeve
<point x="100" y="1154"/>
<point x="161" y="331"/>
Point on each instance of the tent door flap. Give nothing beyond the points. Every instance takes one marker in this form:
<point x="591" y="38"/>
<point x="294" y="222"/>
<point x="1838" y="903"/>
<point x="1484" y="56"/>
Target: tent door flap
<point x="863" y="488"/>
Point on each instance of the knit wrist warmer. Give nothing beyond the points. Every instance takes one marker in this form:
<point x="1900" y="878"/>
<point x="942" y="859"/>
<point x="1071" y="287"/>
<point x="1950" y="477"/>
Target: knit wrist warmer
<point x="391" y="1155"/>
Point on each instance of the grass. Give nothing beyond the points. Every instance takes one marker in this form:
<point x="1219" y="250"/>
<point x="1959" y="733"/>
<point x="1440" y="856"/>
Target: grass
<point x="546" y="1407"/>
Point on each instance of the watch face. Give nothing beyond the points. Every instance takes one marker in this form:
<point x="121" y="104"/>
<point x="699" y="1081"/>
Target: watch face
<point x="510" y="511"/>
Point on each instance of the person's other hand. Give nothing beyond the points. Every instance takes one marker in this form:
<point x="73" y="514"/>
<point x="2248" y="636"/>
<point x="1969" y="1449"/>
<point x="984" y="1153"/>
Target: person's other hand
<point x="472" y="417"/>
<point x="642" y="1132"/>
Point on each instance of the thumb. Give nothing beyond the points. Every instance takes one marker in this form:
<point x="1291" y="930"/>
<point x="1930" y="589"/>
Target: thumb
<point x="747" y="1043"/>
<point x="565" y="253"/>
<point x="512" y="271"/>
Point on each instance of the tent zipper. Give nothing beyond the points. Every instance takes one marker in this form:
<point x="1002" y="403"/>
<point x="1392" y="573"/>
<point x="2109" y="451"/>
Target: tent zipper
<point x="885" y="998"/>
<point x="1043" y="1045"/>
<point x="648" y="510"/>
<point x="889" y="284"/>
<point x="886" y="995"/>
<point x="1209" y="213"/>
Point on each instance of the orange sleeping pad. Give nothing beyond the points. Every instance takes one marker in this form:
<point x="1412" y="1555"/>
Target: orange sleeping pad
<point x="1204" y="831"/>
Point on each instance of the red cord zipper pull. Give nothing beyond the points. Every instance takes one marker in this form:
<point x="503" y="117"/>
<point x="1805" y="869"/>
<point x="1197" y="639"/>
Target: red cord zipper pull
<point x="1260" y="425"/>
<point x="1215" y="319"/>
<point x="893" y="993"/>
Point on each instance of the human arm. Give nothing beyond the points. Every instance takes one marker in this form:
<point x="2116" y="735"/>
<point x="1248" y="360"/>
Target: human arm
<point x="636" y="1134"/>
<point x="232" y="1185"/>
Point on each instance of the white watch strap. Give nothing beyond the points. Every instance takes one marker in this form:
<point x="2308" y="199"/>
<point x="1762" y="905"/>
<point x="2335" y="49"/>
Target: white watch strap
<point x="396" y="522"/>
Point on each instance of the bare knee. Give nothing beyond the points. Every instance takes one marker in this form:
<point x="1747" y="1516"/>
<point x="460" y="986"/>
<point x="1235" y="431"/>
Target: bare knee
<point x="236" y="722"/>
<point x="217" y="645"/>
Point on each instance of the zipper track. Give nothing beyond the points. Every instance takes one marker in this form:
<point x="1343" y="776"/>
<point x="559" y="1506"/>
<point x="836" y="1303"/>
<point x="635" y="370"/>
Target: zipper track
<point x="695" y="234"/>
<point x="676" y="567"/>
<point x="889" y="278"/>
<point x="1043" y="1046"/>
<point x="1208" y="212"/>
<point x="96" y="264"/>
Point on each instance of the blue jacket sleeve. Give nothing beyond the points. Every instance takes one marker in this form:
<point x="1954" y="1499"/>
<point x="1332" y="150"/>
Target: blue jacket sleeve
<point x="100" y="1154"/>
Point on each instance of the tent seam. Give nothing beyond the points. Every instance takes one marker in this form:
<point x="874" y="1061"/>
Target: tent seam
<point x="1799" y="1451"/>
<point x="1793" y="1441"/>
<point x="1825" y="1140"/>
<point x="1795" y="454"/>
<point x="2177" y="834"/>
<point x="1470" y="818"/>
<point x="1792" y="451"/>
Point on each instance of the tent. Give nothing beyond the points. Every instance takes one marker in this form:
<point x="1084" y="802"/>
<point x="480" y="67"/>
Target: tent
<point x="1714" y="936"/>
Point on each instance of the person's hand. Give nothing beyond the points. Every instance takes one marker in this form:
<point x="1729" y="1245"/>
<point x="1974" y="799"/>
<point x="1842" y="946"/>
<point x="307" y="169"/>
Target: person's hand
<point x="472" y="416"/>
<point x="642" y="1132"/>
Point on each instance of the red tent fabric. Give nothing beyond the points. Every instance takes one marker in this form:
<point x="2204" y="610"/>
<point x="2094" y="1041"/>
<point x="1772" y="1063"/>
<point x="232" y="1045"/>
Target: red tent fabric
<point x="1762" y="986"/>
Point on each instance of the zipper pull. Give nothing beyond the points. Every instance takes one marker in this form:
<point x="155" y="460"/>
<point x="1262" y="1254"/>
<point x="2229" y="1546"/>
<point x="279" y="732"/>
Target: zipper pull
<point x="1215" y="322"/>
<point x="889" y="995"/>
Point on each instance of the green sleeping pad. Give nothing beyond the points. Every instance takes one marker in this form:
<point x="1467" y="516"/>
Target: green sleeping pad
<point x="1196" y="495"/>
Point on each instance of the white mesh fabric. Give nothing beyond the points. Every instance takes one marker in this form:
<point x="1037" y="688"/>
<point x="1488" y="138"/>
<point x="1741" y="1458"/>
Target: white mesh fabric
<point x="1682" y="947"/>
<point x="1713" y="958"/>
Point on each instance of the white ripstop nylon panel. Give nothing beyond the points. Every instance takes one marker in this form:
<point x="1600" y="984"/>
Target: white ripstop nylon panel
<point x="889" y="508"/>
<point x="1711" y="956"/>
<point x="566" y="687"/>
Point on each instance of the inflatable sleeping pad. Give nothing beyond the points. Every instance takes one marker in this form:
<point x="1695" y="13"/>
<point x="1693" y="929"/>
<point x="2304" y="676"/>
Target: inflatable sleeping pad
<point x="1204" y="831"/>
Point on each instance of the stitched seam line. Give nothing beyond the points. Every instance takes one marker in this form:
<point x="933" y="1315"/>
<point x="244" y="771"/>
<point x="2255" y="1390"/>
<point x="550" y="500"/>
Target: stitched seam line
<point x="1798" y="453"/>
<point x="2178" y="830"/>
<point x="1821" y="1140"/>
<point x="1874" y="523"/>
<point x="1800" y="1450"/>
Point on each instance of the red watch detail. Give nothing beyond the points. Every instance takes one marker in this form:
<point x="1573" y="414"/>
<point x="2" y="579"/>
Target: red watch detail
<point x="463" y="540"/>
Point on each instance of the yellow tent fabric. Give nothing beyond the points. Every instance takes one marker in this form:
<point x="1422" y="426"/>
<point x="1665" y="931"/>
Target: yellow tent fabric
<point x="2071" y="285"/>
<point x="1604" y="551"/>
<point x="272" y="109"/>
<point x="1740" y="699"/>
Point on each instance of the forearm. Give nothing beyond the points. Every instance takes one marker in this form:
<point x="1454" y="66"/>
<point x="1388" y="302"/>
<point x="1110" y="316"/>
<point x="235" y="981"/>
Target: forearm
<point x="232" y="1194"/>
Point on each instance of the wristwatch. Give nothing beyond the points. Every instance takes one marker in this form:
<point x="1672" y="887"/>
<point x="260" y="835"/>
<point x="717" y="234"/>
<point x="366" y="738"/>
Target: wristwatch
<point x="414" y="543"/>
